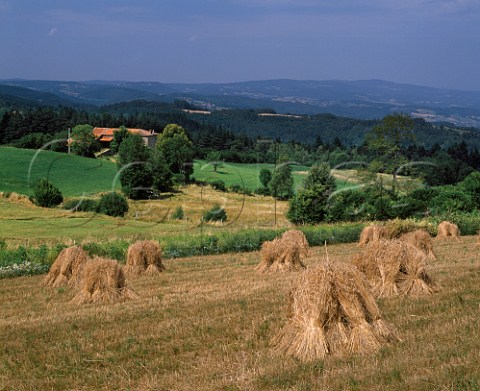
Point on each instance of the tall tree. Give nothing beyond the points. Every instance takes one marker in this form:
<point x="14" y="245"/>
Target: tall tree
<point x="281" y="184"/>
<point x="118" y="137"/>
<point x="265" y="177"/>
<point x="309" y="206"/>
<point x="135" y="168"/>
<point x="386" y="140"/>
<point x="83" y="141"/>
<point x="177" y="149"/>
<point x="214" y="159"/>
<point x="320" y="175"/>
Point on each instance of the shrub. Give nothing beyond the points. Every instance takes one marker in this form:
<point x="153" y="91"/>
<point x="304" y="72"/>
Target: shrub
<point x="417" y="202"/>
<point x="217" y="213"/>
<point x="178" y="213"/>
<point x="113" y="204"/>
<point x="81" y="205"/>
<point x="398" y="227"/>
<point x="347" y="205"/>
<point x="235" y="188"/>
<point x="451" y="199"/>
<point x="115" y="249"/>
<point x="218" y="185"/>
<point x="471" y="184"/>
<point x="308" y="206"/>
<point x="46" y="194"/>
<point x="262" y="191"/>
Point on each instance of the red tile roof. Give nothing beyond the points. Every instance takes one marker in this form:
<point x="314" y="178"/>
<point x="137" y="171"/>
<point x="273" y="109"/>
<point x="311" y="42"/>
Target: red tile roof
<point x="106" y="134"/>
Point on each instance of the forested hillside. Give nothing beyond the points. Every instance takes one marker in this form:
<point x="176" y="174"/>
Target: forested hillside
<point x="17" y="121"/>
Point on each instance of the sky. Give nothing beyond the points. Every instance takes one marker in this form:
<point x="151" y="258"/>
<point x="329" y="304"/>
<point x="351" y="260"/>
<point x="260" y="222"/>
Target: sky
<point x="425" y="42"/>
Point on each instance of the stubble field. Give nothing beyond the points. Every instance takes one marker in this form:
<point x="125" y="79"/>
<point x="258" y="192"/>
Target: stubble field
<point x="206" y="324"/>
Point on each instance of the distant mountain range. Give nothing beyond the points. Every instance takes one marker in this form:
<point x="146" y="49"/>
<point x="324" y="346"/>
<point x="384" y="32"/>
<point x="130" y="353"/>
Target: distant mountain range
<point x="364" y="99"/>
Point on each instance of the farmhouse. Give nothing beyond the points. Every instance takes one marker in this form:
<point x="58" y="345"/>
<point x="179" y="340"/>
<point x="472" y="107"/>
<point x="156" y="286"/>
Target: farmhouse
<point x="105" y="135"/>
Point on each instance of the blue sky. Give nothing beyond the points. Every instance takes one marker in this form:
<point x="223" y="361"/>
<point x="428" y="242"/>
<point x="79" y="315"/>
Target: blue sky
<point x="425" y="42"/>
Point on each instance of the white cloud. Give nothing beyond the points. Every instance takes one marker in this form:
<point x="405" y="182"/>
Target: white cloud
<point x="53" y="31"/>
<point x="193" y="38"/>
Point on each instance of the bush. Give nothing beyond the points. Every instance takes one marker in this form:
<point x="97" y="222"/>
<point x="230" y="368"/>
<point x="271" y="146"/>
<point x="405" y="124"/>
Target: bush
<point x="471" y="184"/>
<point x="451" y="199"/>
<point x="308" y="206"/>
<point x="46" y="194"/>
<point x="115" y="249"/>
<point x="178" y="213"/>
<point x="217" y="213"/>
<point x="398" y="227"/>
<point x="347" y="205"/>
<point x="235" y="188"/>
<point x="265" y="191"/>
<point x="417" y="202"/>
<point x="218" y="185"/>
<point x="81" y="205"/>
<point x="113" y="204"/>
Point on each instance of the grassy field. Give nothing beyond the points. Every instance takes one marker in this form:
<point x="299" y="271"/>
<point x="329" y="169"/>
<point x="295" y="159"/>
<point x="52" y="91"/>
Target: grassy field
<point x="21" y="221"/>
<point x="206" y="323"/>
<point x="75" y="175"/>
<point x="247" y="175"/>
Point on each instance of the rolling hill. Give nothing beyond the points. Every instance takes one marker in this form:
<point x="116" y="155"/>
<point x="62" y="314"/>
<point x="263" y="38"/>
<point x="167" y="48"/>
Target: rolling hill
<point x="364" y="99"/>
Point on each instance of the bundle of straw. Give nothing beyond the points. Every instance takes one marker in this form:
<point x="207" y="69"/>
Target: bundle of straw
<point x="144" y="257"/>
<point x="103" y="281"/>
<point x="283" y="254"/>
<point x="422" y="240"/>
<point x="395" y="267"/>
<point x="372" y="233"/>
<point x="447" y="230"/>
<point x="67" y="268"/>
<point x="332" y="312"/>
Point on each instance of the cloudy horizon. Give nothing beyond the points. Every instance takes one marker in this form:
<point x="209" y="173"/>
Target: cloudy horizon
<point x="422" y="42"/>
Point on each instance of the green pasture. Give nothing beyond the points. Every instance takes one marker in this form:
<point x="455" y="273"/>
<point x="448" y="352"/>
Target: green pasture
<point x="247" y="175"/>
<point x="73" y="175"/>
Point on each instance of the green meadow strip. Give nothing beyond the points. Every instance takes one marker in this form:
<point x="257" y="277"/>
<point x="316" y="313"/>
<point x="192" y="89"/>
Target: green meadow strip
<point x="178" y="247"/>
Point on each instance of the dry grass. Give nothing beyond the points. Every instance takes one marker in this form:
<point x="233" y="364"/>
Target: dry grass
<point x="207" y="324"/>
<point x="67" y="268"/>
<point x="395" y="267"/>
<point x="144" y="257"/>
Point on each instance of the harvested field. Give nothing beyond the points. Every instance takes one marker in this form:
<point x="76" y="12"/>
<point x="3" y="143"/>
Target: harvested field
<point x="207" y="325"/>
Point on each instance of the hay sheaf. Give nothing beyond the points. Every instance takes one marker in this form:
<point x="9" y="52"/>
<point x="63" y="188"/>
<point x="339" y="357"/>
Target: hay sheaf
<point x="447" y="230"/>
<point x="332" y="312"/>
<point x="144" y="257"/>
<point x="297" y="238"/>
<point x="372" y="233"/>
<point x="422" y="240"/>
<point x="395" y="267"/>
<point x="103" y="281"/>
<point x="67" y="268"/>
<point x="281" y="255"/>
